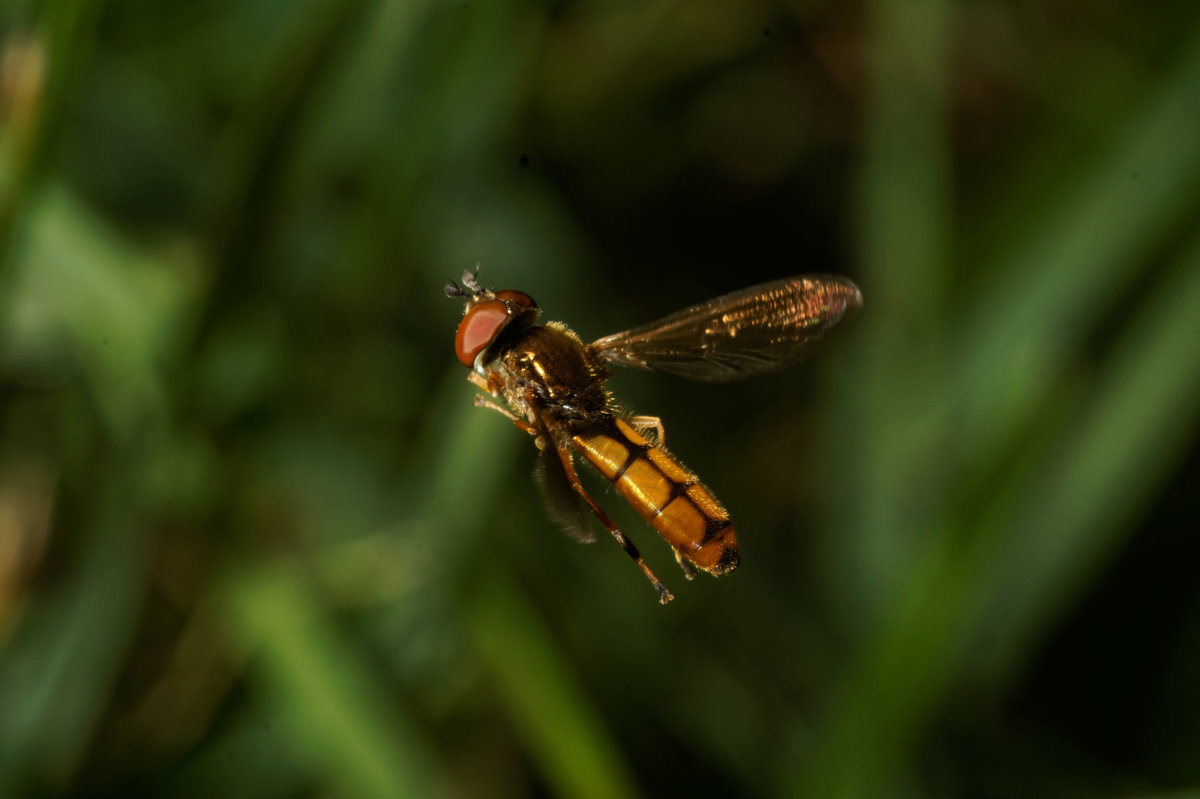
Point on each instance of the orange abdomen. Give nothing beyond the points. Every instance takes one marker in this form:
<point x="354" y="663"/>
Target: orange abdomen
<point x="665" y="493"/>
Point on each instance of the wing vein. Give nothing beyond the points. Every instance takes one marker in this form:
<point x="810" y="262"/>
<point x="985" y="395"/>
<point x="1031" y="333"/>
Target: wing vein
<point x="749" y="332"/>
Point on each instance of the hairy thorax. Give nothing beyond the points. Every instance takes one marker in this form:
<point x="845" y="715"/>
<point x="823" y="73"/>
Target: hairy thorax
<point x="549" y="370"/>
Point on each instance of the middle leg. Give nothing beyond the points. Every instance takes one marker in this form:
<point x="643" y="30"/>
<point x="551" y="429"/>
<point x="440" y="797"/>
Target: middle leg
<point x="642" y="422"/>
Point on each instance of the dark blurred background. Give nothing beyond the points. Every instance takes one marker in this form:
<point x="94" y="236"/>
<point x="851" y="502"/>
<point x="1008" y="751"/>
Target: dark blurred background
<point x="255" y="540"/>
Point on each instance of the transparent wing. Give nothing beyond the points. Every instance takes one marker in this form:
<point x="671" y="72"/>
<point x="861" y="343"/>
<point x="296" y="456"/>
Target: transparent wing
<point x="748" y="332"/>
<point x="562" y="503"/>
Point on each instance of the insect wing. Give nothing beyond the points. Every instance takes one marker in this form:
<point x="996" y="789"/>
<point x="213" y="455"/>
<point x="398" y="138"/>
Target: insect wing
<point x="749" y="332"/>
<point x="562" y="503"/>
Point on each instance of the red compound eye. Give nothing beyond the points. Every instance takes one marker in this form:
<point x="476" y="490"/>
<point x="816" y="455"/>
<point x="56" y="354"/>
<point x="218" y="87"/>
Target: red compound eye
<point x="478" y="329"/>
<point x="519" y="297"/>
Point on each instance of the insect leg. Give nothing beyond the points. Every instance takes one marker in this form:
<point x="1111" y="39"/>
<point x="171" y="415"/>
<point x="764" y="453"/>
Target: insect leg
<point x="641" y="422"/>
<point x="482" y="382"/>
<point x="491" y="384"/>
<point x="564" y="455"/>
<point x="689" y="570"/>
<point x="483" y="402"/>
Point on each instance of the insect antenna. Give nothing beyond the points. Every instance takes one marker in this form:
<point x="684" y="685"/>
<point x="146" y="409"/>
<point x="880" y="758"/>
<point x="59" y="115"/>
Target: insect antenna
<point x="471" y="279"/>
<point x="470" y="285"/>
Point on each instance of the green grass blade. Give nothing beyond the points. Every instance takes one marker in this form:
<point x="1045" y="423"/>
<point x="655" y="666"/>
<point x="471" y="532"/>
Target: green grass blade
<point x="562" y="731"/>
<point x="336" y="713"/>
<point x="1143" y="416"/>
<point x="1020" y="341"/>
<point x="905" y="216"/>
<point x="1054" y="284"/>
<point x="58" y="671"/>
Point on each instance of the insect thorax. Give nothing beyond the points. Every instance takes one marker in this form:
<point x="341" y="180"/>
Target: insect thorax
<point x="564" y="377"/>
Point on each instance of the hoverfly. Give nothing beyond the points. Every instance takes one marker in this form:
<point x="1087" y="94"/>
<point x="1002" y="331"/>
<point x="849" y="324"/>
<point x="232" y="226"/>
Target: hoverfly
<point x="553" y="385"/>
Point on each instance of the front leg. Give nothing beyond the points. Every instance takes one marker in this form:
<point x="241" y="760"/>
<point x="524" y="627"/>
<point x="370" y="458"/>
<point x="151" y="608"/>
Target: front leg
<point x="492" y="384"/>
<point x="483" y="402"/>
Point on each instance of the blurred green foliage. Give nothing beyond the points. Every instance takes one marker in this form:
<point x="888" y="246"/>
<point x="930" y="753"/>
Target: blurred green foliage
<point x="255" y="540"/>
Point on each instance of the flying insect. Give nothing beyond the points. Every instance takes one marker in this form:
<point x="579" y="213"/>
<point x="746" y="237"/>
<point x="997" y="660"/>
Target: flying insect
<point x="553" y="385"/>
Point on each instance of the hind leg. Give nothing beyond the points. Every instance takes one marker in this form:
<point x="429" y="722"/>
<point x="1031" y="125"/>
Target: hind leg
<point x="564" y="454"/>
